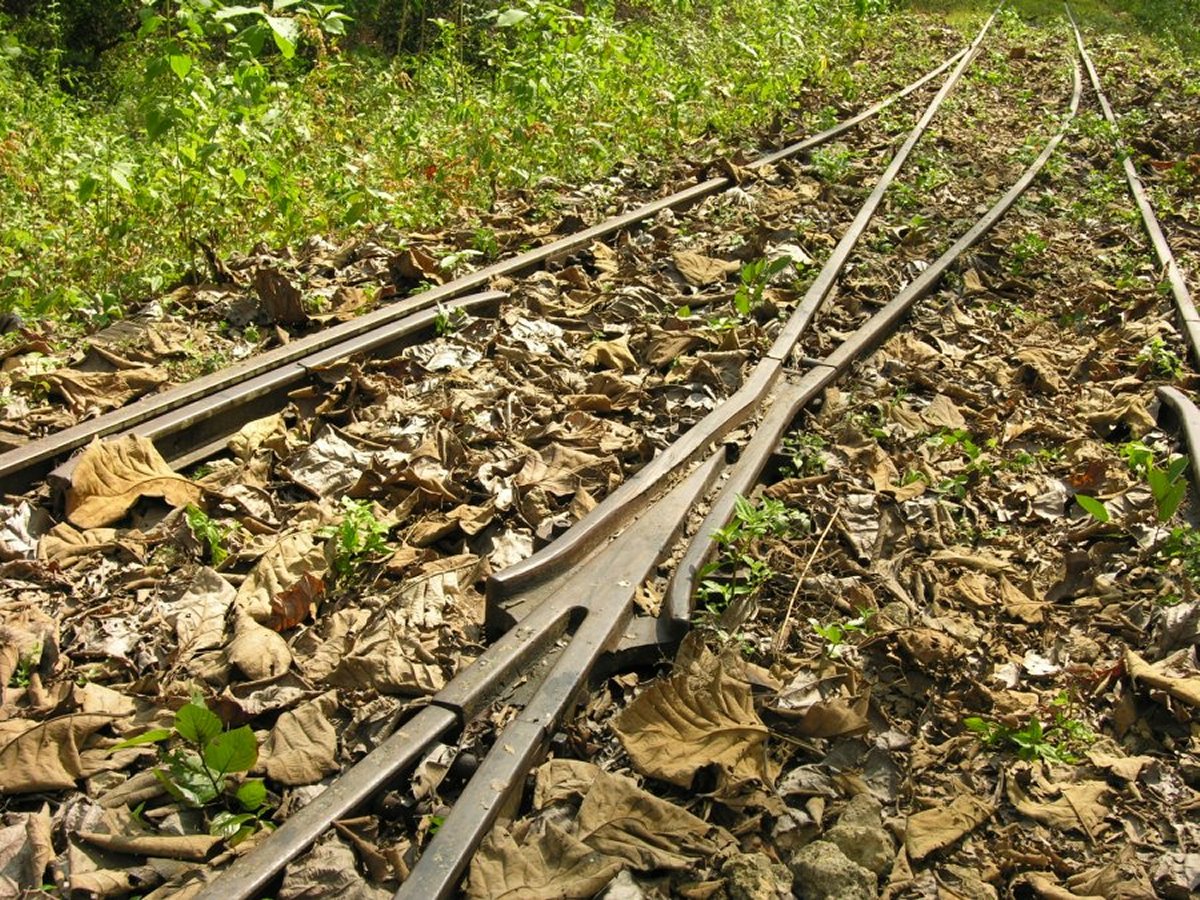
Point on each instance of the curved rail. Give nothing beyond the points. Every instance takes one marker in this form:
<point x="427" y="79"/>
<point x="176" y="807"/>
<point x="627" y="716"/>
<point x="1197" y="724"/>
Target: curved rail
<point x="570" y="616"/>
<point x="32" y="460"/>
<point x="796" y="395"/>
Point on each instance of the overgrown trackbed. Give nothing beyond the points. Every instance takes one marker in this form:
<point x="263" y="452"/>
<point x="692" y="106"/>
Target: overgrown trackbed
<point x="945" y="642"/>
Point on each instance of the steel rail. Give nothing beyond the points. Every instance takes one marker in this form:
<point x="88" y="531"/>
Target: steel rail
<point x="1162" y="248"/>
<point x="21" y="465"/>
<point x="579" y="611"/>
<point x="796" y="394"/>
<point x="632" y="496"/>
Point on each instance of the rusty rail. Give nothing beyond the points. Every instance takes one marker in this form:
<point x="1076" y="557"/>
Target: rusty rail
<point x="564" y="609"/>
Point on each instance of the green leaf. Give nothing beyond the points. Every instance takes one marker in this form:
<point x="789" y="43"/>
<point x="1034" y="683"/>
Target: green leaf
<point x="252" y="794"/>
<point x="87" y="188"/>
<point x="186" y="780"/>
<point x="1176" y="467"/>
<point x="1169" y="501"/>
<point x="232" y="751"/>
<point x="197" y="724"/>
<point x="286" y="33"/>
<point x="181" y="64"/>
<point x="146" y="737"/>
<point x="511" y="17"/>
<point x="227" y="824"/>
<point x="231" y="12"/>
<point x="1093" y="507"/>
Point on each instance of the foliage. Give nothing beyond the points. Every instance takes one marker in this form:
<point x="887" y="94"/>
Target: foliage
<point x="1058" y="742"/>
<point x="212" y="534"/>
<point x="1093" y="507"/>
<point x="205" y="769"/>
<point x="1167" y="484"/>
<point x="755" y="276"/>
<point x="358" y="539"/>
<point x="742" y="572"/>
<point x="230" y="125"/>
<point x="1160" y="360"/>
<point x="804" y="452"/>
<point x="836" y="635"/>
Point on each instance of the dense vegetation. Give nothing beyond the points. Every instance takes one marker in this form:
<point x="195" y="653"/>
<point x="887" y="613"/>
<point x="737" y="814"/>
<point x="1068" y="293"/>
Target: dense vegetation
<point x="136" y="133"/>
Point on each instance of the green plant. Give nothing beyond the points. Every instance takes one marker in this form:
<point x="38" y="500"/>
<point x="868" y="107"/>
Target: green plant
<point x="358" y="539"/>
<point x="805" y="454"/>
<point x="1030" y="246"/>
<point x="742" y="572"/>
<point x="1167" y="484"/>
<point x="210" y="533"/>
<point x="447" y="321"/>
<point x="1059" y="742"/>
<point x="836" y="634"/>
<point x="755" y="276"/>
<point x="832" y="163"/>
<point x="205" y="768"/>
<point x="27" y="662"/>
<point x="1183" y="544"/>
<point x="1161" y="361"/>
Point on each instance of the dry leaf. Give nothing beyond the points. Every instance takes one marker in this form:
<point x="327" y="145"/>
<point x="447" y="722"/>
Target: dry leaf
<point x="257" y="651"/>
<point x="700" y="271"/>
<point x="302" y="746"/>
<point x="45" y="757"/>
<point x="611" y="355"/>
<point x="189" y="847"/>
<point x="938" y="828"/>
<point x="291" y="607"/>
<point x="1078" y="805"/>
<point x="113" y="475"/>
<point x="1182" y="688"/>
<point x="284" y="564"/>
<point x="686" y="722"/>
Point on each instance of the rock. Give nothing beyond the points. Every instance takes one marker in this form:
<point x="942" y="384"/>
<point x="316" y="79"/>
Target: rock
<point x="870" y="847"/>
<point x="863" y="809"/>
<point x="824" y="873"/>
<point x="753" y="876"/>
<point x="623" y="887"/>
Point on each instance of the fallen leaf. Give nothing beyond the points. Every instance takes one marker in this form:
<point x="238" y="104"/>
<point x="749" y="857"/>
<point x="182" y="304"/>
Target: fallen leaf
<point x="1186" y="688"/>
<point x="686" y="722"/>
<point x="1078" y="806"/>
<point x="938" y="828"/>
<point x="45" y="757"/>
<point x="111" y="476"/>
<point x="700" y="270"/>
<point x="328" y="870"/>
<point x="25" y="851"/>
<point x="189" y="847"/>
<point x="292" y="606"/>
<point x="611" y="355"/>
<point x="285" y="563"/>
<point x="302" y="747"/>
<point x="257" y="651"/>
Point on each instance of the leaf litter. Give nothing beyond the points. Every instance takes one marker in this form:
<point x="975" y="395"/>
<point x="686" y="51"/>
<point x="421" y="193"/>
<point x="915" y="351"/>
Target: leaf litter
<point x="820" y="765"/>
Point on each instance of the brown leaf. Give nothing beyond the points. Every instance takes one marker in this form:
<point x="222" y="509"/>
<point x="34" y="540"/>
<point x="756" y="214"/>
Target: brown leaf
<point x="257" y="651"/>
<point x="942" y="413"/>
<point x="686" y="722"/>
<point x="1018" y="605"/>
<point x="45" y="757"/>
<point x="611" y="355"/>
<point x="25" y="851"/>
<point x="189" y="847"/>
<point x="292" y="606"/>
<point x="281" y="299"/>
<point x="937" y="828"/>
<point x="546" y="864"/>
<point x="1079" y="806"/>
<point x="113" y="475"/>
<point x="700" y="271"/>
<point x="302" y="746"/>
<point x="91" y="391"/>
<point x="1186" y="688"/>
<point x="284" y="565"/>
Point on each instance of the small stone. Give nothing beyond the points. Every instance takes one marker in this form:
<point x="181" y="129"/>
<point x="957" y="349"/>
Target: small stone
<point x="1083" y="649"/>
<point x="753" y="876"/>
<point x="863" y="809"/>
<point x="870" y="847"/>
<point x="824" y="873"/>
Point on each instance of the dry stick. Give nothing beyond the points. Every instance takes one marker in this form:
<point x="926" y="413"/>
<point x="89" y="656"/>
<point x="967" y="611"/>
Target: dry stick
<point x="782" y="636"/>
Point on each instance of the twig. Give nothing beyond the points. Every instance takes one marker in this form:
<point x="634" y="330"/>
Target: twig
<point x="782" y="635"/>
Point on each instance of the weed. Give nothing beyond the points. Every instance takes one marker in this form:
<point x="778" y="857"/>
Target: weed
<point x="447" y="321"/>
<point x="1059" y="742"/>
<point x="209" y="533"/>
<point x="27" y="662"/>
<point x="358" y="539"/>
<point x="742" y="572"/>
<point x="1167" y="484"/>
<point x="1183" y="544"/>
<point x="832" y="163"/>
<point x="1029" y="247"/>
<point x="836" y="634"/>
<point x="1161" y="361"/>
<point x="805" y="454"/>
<point x="755" y="277"/>
<point x="205" y="769"/>
<point x="1093" y="507"/>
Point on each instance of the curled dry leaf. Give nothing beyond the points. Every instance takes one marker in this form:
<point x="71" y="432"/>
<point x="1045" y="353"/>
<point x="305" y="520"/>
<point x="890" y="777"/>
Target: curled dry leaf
<point x="939" y="827"/>
<point x="284" y="565"/>
<point x="1185" y="688"/>
<point x="291" y="607"/>
<point x="257" y="651"/>
<point x="189" y="847"/>
<point x="25" y="851"/>
<point x="111" y="476"/>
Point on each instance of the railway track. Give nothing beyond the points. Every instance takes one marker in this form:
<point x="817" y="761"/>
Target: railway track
<point x="562" y="614"/>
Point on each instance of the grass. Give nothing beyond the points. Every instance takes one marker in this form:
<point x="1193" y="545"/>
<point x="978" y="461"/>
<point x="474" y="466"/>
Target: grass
<point x="203" y="132"/>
